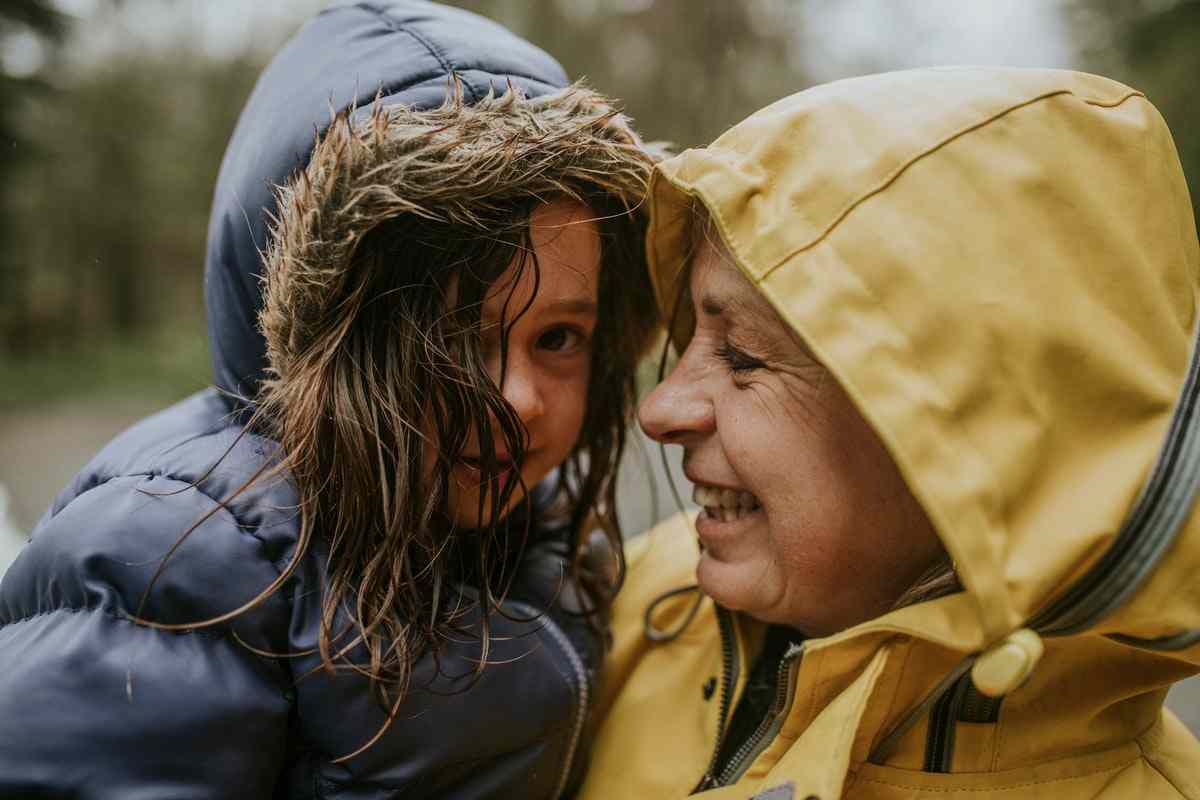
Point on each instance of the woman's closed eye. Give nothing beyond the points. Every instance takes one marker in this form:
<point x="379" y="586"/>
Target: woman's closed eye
<point x="737" y="360"/>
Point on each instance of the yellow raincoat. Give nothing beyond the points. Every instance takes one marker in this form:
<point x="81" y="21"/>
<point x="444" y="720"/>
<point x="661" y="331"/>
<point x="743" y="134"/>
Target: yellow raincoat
<point x="1000" y="267"/>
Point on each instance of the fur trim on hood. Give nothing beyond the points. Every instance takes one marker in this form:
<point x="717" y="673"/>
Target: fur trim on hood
<point x="452" y="165"/>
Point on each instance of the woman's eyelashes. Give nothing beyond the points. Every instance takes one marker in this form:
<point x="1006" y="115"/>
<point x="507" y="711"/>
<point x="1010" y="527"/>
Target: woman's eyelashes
<point x="738" y="361"/>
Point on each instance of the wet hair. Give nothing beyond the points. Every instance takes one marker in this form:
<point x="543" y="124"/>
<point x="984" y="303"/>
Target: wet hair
<point x="382" y="252"/>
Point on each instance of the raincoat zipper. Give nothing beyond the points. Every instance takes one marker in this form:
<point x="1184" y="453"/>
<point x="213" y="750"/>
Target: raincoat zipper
<point x="961" y="703"/>
<point x="1156" y="518"/>
<point x="785" y="687"/>
<point x="729" y="673"/>
<point x="1148" y="531"/>
<point x="939" y="741"/>
<point x="581" y="682"/>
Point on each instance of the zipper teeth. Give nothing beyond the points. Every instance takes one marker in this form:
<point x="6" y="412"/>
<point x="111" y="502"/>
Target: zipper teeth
<point x="978" y="707"/>
<point x="551" y="627"/>
<point x="935" y="740"/>
<point x="725" y="627"/>
<point x="783" y="688"/>
<point x="939" y="744"/>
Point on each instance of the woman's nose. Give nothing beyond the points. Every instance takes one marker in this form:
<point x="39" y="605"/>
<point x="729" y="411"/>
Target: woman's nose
<point x="676" y="411"/>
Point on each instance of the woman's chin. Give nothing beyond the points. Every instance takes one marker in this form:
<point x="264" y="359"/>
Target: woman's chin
<point x="730" y="585"/>
<point x="746" y="587"/>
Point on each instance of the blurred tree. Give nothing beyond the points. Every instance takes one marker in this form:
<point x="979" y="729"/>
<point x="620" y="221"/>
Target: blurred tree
<point x="116" y="213"/>
<point x="28" y="26"/>
<point x="1154" y="46"/>
<point x="106" y="175"/>
<point x="685" y="71"/>
<point x="106" y="226"/>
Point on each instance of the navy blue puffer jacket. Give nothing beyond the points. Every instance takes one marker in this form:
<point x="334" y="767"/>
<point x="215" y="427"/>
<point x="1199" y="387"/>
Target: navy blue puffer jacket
<point x="93" y="705"/>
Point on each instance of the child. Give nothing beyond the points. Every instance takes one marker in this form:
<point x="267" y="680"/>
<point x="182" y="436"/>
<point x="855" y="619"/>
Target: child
<point x="936" y="394"/>
<point x="357" y="566"/>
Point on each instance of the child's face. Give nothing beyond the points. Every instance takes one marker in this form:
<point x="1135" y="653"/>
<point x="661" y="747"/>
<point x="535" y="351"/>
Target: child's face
<point x="806" y="521"/>
<point x="549" y="349"/>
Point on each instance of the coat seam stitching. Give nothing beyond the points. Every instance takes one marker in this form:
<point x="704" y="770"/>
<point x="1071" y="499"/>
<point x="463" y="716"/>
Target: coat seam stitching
<point x="239" y="524"/>
<point x="903" y="167"/>
<point x="443" y="60"/>
<point x="1009" y="787"/>
<point x="903" y="668"/>
<point x="1150" y="762"/>
<point x="108" y="612"/>
<point x="446" y="63"/>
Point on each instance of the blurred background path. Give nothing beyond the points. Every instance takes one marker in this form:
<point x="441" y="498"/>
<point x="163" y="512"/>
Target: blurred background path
<point x="114" y="115"/>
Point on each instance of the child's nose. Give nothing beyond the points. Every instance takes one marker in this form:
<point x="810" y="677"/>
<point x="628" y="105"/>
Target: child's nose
<point x="676" y="411"/>
<point x="523" y="391"/>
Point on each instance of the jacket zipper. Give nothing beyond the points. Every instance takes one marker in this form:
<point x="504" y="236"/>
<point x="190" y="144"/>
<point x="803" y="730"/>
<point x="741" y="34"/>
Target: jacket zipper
<point x="1153" y="523"/>
<point x="785" y="686"/>
<point x="729" y="673"/>
<point x="581" y="681"/>
<point x="1146" y="533"/>
<point x="978" y="707"/>
<point x="961" y="703"/>
<point x="939" y="741"/>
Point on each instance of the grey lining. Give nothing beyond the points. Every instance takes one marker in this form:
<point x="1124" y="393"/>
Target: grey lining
<point x="1158" y="515"/>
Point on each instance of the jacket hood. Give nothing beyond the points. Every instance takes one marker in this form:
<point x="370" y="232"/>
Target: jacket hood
<point x="403" y="52"/>
<point x="453" y="164"/>
<point x="1000" y="267"/>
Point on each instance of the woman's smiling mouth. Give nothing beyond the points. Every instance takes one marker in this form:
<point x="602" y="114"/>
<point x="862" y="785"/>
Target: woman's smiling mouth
<point x="724" y="505"/>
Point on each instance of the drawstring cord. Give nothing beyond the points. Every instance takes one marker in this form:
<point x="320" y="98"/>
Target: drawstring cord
<point x="656" y="634"/>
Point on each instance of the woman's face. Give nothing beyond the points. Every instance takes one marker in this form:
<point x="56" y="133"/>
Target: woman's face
<point x="806" y="521"/>
<point x="548" y="359"/>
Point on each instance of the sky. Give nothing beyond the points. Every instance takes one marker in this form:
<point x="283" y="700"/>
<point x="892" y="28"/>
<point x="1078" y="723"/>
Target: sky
<point x="837" y="37"/>
<point x="834" y="38"/>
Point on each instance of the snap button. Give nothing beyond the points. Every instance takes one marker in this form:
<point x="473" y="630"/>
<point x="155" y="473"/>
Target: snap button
<point x="1007" y="664"/>
<point x="709" y="687"/>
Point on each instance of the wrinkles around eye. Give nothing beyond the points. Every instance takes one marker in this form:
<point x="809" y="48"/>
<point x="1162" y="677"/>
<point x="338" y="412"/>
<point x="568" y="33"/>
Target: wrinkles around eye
<point x="792" y="391"/>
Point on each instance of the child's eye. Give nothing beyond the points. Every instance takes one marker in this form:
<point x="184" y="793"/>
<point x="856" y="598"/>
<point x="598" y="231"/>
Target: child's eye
<point x="736" y="360"/>
<point x="562" y="339"/>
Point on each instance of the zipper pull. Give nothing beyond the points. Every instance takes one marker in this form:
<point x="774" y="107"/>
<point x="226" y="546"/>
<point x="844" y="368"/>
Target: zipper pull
<point x="1008" y="664"/>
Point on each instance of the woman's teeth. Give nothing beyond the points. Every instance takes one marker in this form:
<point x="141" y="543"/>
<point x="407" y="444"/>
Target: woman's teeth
<point x="726" y="505"/>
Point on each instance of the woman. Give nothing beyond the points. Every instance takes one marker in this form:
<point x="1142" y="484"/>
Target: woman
<point x="357" y="567"/>
<point x="936" y="393"/>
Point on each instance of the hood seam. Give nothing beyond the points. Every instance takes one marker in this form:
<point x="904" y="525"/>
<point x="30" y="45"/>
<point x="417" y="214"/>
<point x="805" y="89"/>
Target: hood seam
<point x="893" y="176"/>
<point x="447" y="65"/>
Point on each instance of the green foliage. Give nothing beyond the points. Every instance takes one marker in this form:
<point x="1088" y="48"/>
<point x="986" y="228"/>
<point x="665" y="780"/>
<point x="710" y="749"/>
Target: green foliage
<point x="38" y="16"/>
<point x="113" y="204"/>
<point x="40" y="20"/>
<point x="1154" y="46"/>
<point x="158" y="367"/>
<point x="684" y="70"/>
<point x="107" y="173"/>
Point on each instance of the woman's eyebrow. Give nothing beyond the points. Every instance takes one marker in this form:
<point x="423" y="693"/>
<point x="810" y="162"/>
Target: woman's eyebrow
<point x="734" y="309"/>
<point x="756" y="321"/>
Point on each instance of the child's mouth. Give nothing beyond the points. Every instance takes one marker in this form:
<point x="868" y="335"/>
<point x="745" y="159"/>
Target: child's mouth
<point x="502" y="465"/>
